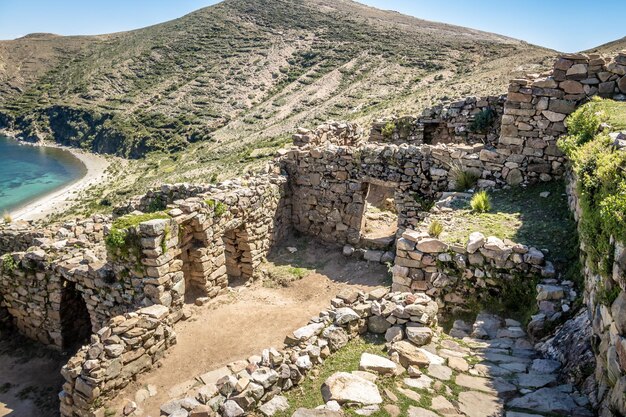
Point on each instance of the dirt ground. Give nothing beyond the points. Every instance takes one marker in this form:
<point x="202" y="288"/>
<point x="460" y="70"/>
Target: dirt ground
<point x="30" y="378"/>
<point x="250" y="319"/>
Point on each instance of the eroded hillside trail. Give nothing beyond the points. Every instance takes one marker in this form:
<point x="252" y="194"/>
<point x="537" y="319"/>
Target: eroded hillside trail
<point x="247" y="320"/>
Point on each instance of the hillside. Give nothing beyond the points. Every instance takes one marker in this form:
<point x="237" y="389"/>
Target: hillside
<point x="610" y="48"/>
<point x="241" y="68"/>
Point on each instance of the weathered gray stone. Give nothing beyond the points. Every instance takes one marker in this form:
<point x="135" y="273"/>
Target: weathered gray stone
<point x="344" y="387"/>
<point x="375" y="363"/>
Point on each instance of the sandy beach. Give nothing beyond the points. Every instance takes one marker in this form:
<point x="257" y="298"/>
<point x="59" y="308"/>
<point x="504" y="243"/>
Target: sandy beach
<point x="60" y="199"/>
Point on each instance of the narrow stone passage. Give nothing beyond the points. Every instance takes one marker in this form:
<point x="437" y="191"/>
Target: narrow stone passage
<point x="495" y="370"/>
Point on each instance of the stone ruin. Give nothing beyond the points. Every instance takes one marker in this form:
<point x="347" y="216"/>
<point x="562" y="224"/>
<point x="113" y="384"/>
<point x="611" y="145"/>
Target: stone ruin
<point x="125" y="296"/>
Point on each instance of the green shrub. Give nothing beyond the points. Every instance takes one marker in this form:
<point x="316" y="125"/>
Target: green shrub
<point x="7" y="218"/>
<point x="218" y="207"/>
<point x="582" y="125"/>
<point x="481" y="202"/>
<point x="388" y="129"/>
<point x="600" y="171"/>
<point x="483" y="120"/>
<point x="435" y="228"/>
<point x="8" y="263"/>
<point x="463" y="180"/>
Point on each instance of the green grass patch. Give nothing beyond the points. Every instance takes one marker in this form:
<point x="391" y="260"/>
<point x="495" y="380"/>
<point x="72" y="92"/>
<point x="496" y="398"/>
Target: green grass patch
<point x="481" y="203"/>
<point x="309" y="395"/>
<point x="120" y="240"/>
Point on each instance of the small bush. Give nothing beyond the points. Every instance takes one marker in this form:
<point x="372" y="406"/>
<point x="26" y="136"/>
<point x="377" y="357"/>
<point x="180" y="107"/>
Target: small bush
<point x="388" y="130"/>
<point x="218" y="207"/>
<point x="463" y="180"/>
<point x="435" y="228"/>
<point x="481" y="202"/>
<point x="483" y="121"/>
<point x="7" y="218"/>
<point x="8" y="263"/>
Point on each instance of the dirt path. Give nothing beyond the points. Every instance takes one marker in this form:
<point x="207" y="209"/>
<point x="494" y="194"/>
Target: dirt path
<point x="30" y="378"/>
<point x="250" y="319"/>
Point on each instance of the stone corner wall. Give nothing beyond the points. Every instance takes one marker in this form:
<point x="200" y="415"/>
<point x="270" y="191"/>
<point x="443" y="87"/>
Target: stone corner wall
<point x="126" y="346"/>
<point x="605" y="300"/>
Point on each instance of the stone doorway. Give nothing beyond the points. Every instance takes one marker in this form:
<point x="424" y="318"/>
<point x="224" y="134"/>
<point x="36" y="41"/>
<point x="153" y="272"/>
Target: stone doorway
<point x="238" y="255"/>
<point x="75" y="320"/>
<point x="380" y="216"/>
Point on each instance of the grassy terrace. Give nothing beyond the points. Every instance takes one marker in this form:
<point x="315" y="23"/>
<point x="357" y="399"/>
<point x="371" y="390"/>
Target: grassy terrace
<point x="521" y="215"/>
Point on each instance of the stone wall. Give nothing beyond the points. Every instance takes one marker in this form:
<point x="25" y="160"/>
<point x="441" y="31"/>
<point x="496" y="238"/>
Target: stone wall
<point x="446" y="123"/>
<point x="456" y="275"/>
<point x="329" y="183"/>
<point x="605" y="299"/>
<point x="246" y="385"/>
<point x="537" y="106"/>
<point x="126" y="346"/>
<point x="155" y="200"/>
<point x="336" y="133"/>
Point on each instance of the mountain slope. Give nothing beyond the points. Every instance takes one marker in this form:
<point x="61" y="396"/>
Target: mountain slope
<point x="610" y="48"/>
<point x="240" y="71"/>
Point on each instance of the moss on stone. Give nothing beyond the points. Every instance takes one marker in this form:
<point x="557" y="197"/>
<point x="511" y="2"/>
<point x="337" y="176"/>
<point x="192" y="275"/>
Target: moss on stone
<point x="120" y="240"/>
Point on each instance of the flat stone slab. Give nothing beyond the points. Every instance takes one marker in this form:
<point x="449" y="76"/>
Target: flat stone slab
<point x="344" y="387"/>
<point x="545" y="366"/>
<point x="156" y="311"/>
<point x="494" y="386"/>
<point x="376" y="363"/>
<point x="410" y="394"/>
<point x="478" y="404"/>
<point x="440" y="372"/>
<point x="420" y="412"/>
<point x="422" y="382"/>
<point x="545" y="400"/>
<point x="533" y="380"/>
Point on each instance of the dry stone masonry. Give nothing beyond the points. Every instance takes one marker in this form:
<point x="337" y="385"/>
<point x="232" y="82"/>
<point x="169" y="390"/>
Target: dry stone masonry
<point x="187" y="243"/>
<point x="469" y="121"/>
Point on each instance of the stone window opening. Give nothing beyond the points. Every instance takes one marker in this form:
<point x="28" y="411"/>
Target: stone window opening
<point x="237" y="251"/>
<point x="379" y="223"/>
<point x="75" y="320"/>
<point x="436" y="132"/>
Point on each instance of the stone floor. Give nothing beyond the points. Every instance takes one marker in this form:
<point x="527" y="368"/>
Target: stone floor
<point x="488" y="369"/>
<point x="495" y="371"/>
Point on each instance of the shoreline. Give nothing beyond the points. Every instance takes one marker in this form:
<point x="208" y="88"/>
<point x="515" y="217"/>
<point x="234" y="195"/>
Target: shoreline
<point x="95" y="166"/>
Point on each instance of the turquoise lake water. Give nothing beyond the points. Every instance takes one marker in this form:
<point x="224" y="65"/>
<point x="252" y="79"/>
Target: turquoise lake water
<point x="30" y="172"/>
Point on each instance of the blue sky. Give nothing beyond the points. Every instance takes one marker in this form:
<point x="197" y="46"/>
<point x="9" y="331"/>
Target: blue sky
<point x="584" y="25"/>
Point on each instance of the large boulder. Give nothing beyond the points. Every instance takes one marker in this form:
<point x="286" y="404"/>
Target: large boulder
<point x="409" y="354"/>
<point x="378" y="324"/>
<point x="431" y="245"/>
<point x="419" y="335"/>
<point x="345" y="315"/>
<point x="344" y="388"/>
<point x="336" y="336"/>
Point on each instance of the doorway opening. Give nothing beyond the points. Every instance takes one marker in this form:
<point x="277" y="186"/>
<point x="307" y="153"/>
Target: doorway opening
<point x="380" y="217"/>
<point x="238" y="256"/>
<point x="75" y="319"/>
